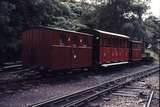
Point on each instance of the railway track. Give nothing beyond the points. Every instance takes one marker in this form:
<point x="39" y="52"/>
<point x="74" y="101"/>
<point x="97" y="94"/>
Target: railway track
<point x="10" y="66"/>
<point x="81" y="97"/>
<point x="15" y="67"/>
<point x="148" y="103"/>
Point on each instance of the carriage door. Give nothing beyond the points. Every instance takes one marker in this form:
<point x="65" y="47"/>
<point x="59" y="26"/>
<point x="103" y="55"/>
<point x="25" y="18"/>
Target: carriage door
<point x="75" y="51"/>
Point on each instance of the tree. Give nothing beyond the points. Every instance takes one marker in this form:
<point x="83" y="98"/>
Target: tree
<point x="119" y="16"/>
<point x="152" y="25"/>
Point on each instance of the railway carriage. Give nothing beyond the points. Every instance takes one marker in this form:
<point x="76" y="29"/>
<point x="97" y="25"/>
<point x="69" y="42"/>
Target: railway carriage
<point x="109" y="48"/>
<point x="56" y="48"/>
<point x="60" y="49"/>
<point x="135" y="50"/>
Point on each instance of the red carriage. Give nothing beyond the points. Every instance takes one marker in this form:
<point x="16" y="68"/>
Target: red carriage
<point x="56" y="48"/>
<point x="60" y="49"/>
<point x="111" y="49"/>
<point x="136" y="50"/>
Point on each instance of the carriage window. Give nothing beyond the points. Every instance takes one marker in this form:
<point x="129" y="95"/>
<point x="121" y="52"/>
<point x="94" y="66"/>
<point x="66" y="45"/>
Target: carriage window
<point x="115" y="42"/>
<point x="139" y="45"/>
<point x="102" y="41"/>
<point x="63" y="39"/>
<point x="134" y="45"/>
<point x="123" y="43"/>
<point x="112" y="41"/>
<point x="109" y="41"/>
<point x="85" y="41"/>
<point x="106" y="42"/>
<point x="74" y="40"/>
<point x="120" y="43"/>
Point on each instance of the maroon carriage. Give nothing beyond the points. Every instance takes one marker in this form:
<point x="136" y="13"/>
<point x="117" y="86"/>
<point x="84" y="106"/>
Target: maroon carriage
<point x="136" y="50"/>
<point x="113" y="48"/>
<point x="109" y="48"/>
<point x="56" y="48"/>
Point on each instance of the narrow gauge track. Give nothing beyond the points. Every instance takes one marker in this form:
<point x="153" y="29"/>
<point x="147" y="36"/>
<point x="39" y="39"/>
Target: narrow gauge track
<point x="79" y="98"/>
<point x="15" y="67"/>
<point x="10" y="66"/>
<point x="148" y="103"/>
<point x="20" y="72"/>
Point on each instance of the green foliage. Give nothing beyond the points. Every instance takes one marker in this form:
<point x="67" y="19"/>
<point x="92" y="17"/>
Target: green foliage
<point x="76" y="8"/>
<point x="152" y="25"/>
<point x="120" y="16"/>
<point x="7" y="32"/>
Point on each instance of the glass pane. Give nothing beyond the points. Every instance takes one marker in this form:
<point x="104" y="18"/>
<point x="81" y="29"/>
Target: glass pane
<point x="62" y="39"/>
<point x="85" y="40"/>
<point x="74" y="40"/>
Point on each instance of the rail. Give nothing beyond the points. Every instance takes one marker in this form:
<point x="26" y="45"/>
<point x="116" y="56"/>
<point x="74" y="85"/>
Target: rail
<point x="148" y="103"/>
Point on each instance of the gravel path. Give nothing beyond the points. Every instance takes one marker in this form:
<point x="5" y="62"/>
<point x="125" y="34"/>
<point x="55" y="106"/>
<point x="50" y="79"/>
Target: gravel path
<point x="47" y="88"/>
